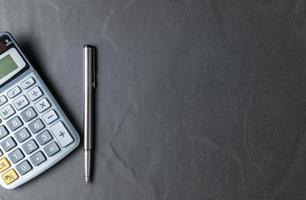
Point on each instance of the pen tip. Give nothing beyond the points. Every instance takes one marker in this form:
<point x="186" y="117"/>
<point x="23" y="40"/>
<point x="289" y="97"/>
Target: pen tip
<point x="86" y="180"/>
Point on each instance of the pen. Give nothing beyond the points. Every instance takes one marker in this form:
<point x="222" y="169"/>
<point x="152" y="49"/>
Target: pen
<point x="89" y="85"/>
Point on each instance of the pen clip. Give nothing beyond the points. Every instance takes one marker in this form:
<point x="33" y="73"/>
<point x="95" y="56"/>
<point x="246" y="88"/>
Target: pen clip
<point x="94" y="69"/>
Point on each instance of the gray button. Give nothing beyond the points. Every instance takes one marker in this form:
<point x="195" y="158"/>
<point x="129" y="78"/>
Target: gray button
<point x="8" y="144"/>
<point x="21" y="102"/>
<point x="28" y="114"/>
<point x="61" y="134"/>
<point x="51" y="149"/>
<point x="13" y="92"/>
<point x="3" y="132"/>
<point x="16" y="155"/>
<point x="7" y="111"/>
<point x="22" y="135"/>
<point x="38" y="158"/>
<point x="14" y="123"/>
<point x="30" y="146"/>
<point x="24" y="167"/>
<point x="50" y="116"/>
<point x="44" y="137"/>
<point x="3" y="100"/>
<point x="34" y="93"/>
<point x="42" y="105"/>
<point x="27" y="83"/>
<point x="36" y="126"/>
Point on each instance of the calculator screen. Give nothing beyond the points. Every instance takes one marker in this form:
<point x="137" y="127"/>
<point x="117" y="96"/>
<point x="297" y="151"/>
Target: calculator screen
<point x="11" y="62"/>
<point x="7" y="65"/>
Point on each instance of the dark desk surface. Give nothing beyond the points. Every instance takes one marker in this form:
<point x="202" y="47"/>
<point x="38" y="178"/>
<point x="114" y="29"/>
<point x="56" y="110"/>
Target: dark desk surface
<point x="196" y="99"/>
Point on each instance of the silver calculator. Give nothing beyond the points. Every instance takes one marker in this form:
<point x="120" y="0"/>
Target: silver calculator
<point x="34" y="131"/>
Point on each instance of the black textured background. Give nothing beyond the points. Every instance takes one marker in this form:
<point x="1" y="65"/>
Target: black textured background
<point x="196" y="99"/>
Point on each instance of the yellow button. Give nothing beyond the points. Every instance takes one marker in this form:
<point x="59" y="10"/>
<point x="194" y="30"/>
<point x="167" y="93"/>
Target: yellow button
<point x="10" y="176"/>
<point x="4" y="164"/>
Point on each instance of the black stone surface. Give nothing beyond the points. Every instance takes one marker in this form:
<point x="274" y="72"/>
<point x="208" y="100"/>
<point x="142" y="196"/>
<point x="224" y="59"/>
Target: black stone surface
<point x="196" y="99"/>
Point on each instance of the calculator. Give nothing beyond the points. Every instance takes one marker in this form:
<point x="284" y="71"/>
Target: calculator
<point x="35" y="133"/>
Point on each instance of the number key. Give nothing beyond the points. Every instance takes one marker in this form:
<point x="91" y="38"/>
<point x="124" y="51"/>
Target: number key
<point x="28" y="114"/>
<point x="22" y="135"/>
<point x="36" y="126"/>
<point x="30" y="146"/>
<point x="44" y="137"/>
<point x="24" y="167"/>
<point x="8" y="144"/>
<point x="16" y="155"/>
<point x="14" y="123"/>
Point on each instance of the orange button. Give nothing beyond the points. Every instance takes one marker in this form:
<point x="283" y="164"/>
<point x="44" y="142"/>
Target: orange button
<point x="4" y="164"/>
<point x="10" y="176"/>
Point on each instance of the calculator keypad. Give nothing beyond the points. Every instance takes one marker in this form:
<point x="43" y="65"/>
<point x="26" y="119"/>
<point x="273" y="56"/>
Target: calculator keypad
<point x="31" y="130"/>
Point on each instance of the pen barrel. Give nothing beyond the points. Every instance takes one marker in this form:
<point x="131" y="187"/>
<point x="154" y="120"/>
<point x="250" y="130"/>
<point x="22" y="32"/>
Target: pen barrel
<point x="89" y="58"/>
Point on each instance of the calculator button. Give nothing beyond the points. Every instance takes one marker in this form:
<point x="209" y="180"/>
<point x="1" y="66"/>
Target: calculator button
<point x="30" y="146"/>
<point x="7" y="111"/>
<point x="27" y="83"/>
<point x="28" y="114"/>
<point x="3" y="132"/>
<point x="21" y="102"/>
<point x="44" y="137"/>
<point x="50" y="116"/>
<point x="10" y="176"/>
<point x="61" y="133"/>
<point x="22" y="135"/>
<point x="38" y="158"/>
<point x="13" y="92"/>
<point x="51" y="149"/>
<point x="14" y="123"/>
<point x="34" y="93"/>
<point x="36" y="126"/>
<point x="8" y="144"/>
<point x="24" y="167"/>
<point x="42" y="105"/>
<point x="16" y="155"/>
<point x="4" y="164"/>
<point x="3" y="100"/>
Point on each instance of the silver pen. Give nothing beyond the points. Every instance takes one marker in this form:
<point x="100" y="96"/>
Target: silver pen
<point x="89" y="85"/>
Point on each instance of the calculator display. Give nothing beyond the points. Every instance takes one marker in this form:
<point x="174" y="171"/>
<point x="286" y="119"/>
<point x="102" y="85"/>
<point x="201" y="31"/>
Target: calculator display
<point x="11" y="63"/>
<point x="7" y="65"/>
